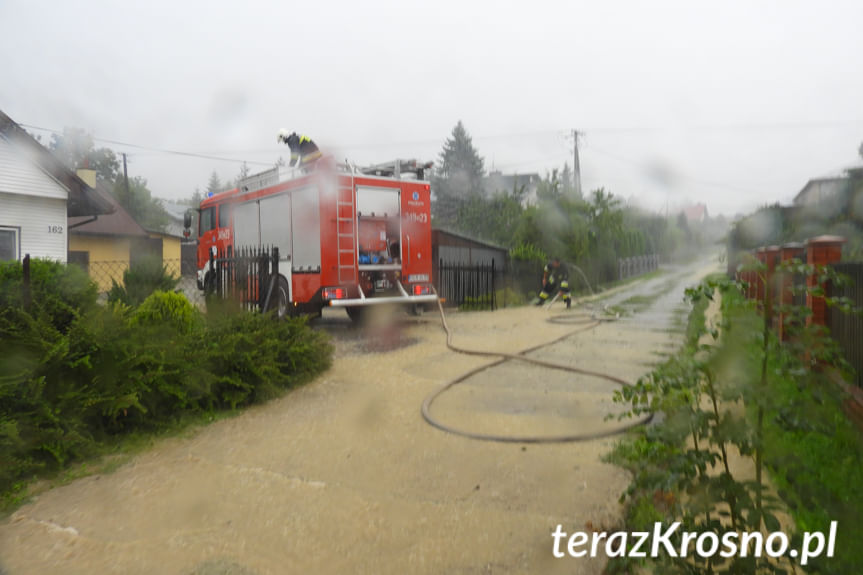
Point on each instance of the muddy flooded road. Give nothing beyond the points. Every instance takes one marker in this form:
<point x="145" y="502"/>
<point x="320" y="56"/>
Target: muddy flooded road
<point x="345" y="476"/>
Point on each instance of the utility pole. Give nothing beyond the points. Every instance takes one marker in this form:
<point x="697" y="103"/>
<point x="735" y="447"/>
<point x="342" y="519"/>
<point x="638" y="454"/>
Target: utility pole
<point x="126" y="181"/>
<point x="576" y="167"/>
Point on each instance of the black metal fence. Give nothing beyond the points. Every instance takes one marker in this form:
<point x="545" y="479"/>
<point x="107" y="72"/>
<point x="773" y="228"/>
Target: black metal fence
<point x="246" y="275"/>
<point x="847" y="328"/>
<point x="485" y="286"/>
<point x="468" y="286"/>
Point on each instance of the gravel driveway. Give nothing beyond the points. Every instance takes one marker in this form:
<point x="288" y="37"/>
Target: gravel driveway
<point x="345" y="477"/>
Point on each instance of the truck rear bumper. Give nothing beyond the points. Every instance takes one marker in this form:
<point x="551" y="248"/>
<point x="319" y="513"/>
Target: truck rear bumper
<point x="410" y="299"/>
<point x="403" y="298"/>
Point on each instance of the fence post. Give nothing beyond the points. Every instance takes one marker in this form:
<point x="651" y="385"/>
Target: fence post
<point x="261" y="261"/>
<point x="493" y="291"/>
<point x="820" y="251"/>
<point x="211" y="275"/>
<point x="25" y="288"/>
<point x="440" y="293"/>
<point x="771" y="256"/>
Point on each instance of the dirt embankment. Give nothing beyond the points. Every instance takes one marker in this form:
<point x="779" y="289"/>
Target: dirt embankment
<point x="344" y="476"/>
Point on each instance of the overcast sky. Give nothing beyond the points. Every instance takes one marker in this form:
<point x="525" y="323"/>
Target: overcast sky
<point x="735" y="104"/>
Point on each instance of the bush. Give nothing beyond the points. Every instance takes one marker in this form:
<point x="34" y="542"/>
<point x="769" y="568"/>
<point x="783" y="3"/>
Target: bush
<point x="167" y="307"/>
<point x="528" y="252"/>
<point x="57" y="291"/>
<point x="140" y="280"/>
<point x="75" y="375"/>
<point x="252" y="356"/>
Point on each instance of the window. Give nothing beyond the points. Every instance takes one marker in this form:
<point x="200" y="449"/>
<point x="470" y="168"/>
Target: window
<point x="207" y="221"/>
<point x="225" y="215"/>
<point x="9" y="243"/>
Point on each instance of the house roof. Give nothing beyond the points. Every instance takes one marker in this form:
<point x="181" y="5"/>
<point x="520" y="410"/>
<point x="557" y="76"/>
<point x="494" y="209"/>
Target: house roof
<point x="500" y="182"/>
<point x="177" y="213"/>
<point x="175" y="210"/>
<point x="436" y="232"/>
<point x="83" y="201"/>
<point x="818" y="182"/>
<point x="696" y="213"/>
<point x="118" y="223"/>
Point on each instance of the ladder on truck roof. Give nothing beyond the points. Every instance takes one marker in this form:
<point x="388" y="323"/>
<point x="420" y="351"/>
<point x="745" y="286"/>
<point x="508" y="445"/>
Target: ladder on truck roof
<point x="396" y="168"/>
<point x="346" y="243"/>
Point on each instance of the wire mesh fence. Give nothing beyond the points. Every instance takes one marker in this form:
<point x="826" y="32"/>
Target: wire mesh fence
<point x="107" y="273"/>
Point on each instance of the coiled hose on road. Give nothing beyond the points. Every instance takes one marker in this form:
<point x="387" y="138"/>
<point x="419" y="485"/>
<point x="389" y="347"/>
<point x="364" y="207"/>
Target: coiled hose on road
<point x="585" y="324"/>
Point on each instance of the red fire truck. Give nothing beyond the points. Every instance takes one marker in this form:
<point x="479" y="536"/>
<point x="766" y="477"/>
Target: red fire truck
<point x="347" y="237"/>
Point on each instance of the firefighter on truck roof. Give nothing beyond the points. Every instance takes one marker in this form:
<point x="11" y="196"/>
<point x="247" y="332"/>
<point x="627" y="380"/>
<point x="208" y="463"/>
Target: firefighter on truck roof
<point x="555" y="277"/>
<point x="303" y="150"/>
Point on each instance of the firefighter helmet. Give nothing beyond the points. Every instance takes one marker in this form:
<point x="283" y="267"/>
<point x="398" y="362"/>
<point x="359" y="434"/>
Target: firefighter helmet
<point x="283" y="136"/>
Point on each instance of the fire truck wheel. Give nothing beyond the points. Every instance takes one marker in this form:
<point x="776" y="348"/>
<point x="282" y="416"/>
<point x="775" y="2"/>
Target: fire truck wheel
<point x="281" y="298"/>
<point x="355" y="313"/>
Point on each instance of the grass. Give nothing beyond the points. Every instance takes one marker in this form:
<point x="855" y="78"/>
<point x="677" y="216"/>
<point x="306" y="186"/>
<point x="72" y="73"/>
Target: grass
<point x="813" y="452"/>
<point x="109" y="457"/>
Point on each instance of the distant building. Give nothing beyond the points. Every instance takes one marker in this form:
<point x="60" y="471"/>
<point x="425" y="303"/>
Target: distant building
<point x="188" y="246"/>
<point x="497" y="183"/>
<point x="105" y="246"/>
<point x="819" y="190"/>
<point x="37" y="195"/>
<point x="108" y="245"/>
<point x="176" y="212"/>
<point x="696" y="214"/>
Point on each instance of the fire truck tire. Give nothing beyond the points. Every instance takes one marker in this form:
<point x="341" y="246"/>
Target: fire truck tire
<point x="209" y="283"/>
<point x="280" y="300"/>
<point x="355" y="313"/>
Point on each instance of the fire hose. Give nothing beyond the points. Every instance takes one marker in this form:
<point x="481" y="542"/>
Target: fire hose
<point x="584" y="323"/>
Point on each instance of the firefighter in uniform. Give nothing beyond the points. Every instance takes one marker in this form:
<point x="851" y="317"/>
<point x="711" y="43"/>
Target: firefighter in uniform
<point x="555" y="278"/>
<point x="303" y="150"/>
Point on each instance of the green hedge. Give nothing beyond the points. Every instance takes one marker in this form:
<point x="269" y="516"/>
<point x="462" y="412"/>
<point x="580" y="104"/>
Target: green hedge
<point x="75" y="375"/>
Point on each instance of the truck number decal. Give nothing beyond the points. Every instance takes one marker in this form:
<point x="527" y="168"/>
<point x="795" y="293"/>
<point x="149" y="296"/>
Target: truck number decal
<point x="414" y="217"/>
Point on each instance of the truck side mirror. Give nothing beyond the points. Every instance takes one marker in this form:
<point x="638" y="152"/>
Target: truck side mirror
<point x="187" y="220"/>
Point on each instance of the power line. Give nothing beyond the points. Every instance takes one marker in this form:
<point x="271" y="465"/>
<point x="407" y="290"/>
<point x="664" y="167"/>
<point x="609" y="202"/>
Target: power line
<point x="575" y="134"/>
<point x="158" y="150"/>
<point x="645" y="168"/>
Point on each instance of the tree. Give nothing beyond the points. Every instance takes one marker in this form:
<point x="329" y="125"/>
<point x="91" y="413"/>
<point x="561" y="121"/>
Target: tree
<point x="492" y="219"/>
<point x="214" y="185"/>
<point x="549" y="188"/>
<point x="460" y="162"/>
<point x="458" y="178"/>
<point x="140" y="203"/>
<point x="566" y="180"/>
<point x="244" y="172"/>
<point x="75" y="149"/>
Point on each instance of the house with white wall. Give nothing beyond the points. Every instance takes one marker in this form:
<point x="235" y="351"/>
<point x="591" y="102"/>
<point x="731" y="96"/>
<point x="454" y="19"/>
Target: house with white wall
<point x="37" y="194"/>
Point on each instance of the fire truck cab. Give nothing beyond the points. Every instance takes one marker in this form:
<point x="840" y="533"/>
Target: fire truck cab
<point x="347" y="237"/>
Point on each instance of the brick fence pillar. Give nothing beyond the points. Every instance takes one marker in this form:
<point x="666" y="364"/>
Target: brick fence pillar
<point x="820" y="251"/>
<point x="787" y="253"/>
<point x="747" y="260"/>
<point x="758" y="276"/>
<point x="771" y="289"/>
